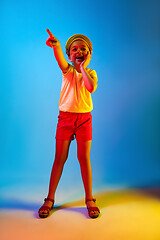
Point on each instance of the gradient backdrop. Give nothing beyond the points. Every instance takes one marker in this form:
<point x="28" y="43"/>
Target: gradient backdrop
<point x="126" y="115"/>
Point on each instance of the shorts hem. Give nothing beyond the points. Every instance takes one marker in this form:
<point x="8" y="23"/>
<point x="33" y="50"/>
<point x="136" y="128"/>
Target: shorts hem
<point x="58" y="138"/>
<point x="71" y="139"/>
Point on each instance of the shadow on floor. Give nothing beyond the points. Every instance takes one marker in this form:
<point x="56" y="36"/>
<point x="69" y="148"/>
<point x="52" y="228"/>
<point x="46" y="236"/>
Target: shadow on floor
<point x="104" y="199"/>
<point x="16" y="204"/>
<point x="151" y="191"/>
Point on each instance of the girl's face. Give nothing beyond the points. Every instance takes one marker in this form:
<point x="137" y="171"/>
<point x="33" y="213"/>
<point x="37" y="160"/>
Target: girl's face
<point x="78" y="52"/>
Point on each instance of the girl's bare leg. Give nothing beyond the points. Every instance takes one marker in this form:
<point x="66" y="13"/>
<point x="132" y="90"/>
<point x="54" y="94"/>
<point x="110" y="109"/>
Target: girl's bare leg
<point x="83" y="153"/>
<point x="62" y="149"/>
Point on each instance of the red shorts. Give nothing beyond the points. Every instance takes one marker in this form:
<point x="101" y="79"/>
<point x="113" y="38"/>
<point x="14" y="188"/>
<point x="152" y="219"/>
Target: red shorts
<point x="74" y="125"/>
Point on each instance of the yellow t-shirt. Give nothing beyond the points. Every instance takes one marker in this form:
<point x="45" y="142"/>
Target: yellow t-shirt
<point x="74" y="96"/>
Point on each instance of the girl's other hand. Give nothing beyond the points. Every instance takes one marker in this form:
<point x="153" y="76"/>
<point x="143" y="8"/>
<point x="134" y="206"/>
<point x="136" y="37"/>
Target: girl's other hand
<point x="86" y="61"/>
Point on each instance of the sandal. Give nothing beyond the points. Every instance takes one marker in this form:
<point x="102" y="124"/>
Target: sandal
<point x="92" y="209"/>
<point x="46" y="208"/>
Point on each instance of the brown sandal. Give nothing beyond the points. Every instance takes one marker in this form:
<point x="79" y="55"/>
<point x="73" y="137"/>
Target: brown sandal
<point x="46" y="208"/>
<point x="90" y="209"/>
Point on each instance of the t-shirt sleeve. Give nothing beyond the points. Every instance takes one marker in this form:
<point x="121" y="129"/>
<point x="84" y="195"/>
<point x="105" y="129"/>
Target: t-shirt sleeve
<point x="69" y="69"/>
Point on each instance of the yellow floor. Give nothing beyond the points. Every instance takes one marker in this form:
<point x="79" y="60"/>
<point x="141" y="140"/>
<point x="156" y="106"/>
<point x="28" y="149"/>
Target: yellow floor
<point x="125" y="215"/>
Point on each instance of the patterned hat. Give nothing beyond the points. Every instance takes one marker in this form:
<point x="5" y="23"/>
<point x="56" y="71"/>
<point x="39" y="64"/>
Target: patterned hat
<point x="78" y="37"/>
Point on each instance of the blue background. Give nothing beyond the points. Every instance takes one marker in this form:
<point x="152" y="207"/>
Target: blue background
<point x="126" y="115"/>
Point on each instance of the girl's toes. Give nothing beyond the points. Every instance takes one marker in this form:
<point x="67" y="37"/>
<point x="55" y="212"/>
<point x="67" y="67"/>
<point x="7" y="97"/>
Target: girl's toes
<point x="91" y="213"/>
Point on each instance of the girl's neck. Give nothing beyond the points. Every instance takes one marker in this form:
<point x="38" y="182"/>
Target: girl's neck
<point x="77" y="68"/>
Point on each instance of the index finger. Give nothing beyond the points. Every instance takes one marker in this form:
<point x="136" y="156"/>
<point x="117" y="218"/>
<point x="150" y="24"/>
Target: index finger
<point x="50" y="34"/>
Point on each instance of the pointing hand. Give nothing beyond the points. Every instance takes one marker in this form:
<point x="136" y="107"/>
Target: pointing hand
<point x="52" y="41"/>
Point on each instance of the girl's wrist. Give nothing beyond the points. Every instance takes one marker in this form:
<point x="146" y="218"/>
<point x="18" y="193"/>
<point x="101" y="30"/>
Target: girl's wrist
<point x="82" y="67"/>
<point x="56" y="46"/>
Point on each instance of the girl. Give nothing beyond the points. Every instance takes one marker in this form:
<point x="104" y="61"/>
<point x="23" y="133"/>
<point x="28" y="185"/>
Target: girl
<point x="75" y="119"/>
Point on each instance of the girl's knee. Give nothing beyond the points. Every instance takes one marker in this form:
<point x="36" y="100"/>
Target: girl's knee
<point x="83" y="158"/>
<point x="83" y="150"/>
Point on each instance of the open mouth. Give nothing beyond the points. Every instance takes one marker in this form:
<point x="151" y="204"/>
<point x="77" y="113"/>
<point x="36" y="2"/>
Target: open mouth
<point x="80" y="58"/>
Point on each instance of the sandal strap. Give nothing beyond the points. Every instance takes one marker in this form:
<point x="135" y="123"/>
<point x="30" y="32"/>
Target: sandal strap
<point x="49" y="199"/>
<point x="90" y="209"/>
<point x="90" y="199"/>
<point x="45" y="208"/>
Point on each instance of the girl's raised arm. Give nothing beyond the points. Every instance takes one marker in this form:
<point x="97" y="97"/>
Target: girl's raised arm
<point x="54" y="43"/>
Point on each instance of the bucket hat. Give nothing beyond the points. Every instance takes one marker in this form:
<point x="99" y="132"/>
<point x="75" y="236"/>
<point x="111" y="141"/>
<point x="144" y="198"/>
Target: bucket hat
<point x="78" y="37"/>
